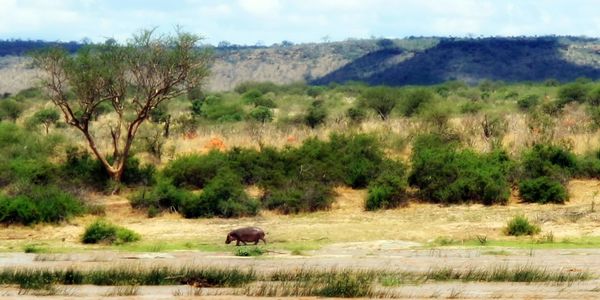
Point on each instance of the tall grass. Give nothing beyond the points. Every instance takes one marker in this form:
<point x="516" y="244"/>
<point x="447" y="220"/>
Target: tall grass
<point x="301" y="282"/>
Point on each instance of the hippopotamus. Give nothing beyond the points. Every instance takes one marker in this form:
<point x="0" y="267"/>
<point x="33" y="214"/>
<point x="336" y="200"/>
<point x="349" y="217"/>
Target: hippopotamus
<point x="246" y="234"/>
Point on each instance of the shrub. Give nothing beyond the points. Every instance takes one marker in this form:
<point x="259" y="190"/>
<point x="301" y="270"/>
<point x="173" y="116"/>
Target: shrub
<point x="214" y="108"/>
<point x="256" y="98"/>
<point x="356" y="115"/>
<point x="528" y="102"/>
<point x="39" y="204"/>
<point x="261" y="114"/>
<point x="160" y="197"/>
<point x="543" y="190"/>
<point x="295" y="197"/>
<point x="520" y="225"/>
<point x="102" y="231"/>
<point x="316" y="114"/>
<point x="548" y="160"/>
<point x="381" y="99"/>
<point x="445" y="174"/>
<point x="388" y="190"/>
<point x="248" y="251"/>
<point x="223" y="196"/>
<point x="594" y="97"/>
<point x="414" y="100"/>
<point x="80" y="167"/>
<point x="588" y="166"/>
<point x="575" y="91"/>
<point x="470" y="107"/>
<point x="195" y="170"/>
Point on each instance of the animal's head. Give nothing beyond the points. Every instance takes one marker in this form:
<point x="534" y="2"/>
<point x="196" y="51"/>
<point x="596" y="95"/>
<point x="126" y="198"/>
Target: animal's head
<point x="229" y="239"/>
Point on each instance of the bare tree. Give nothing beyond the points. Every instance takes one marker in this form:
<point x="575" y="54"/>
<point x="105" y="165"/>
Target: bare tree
<point x="133" y="78"/>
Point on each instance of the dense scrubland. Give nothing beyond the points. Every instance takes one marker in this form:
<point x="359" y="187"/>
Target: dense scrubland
<point x="449" y="143"/>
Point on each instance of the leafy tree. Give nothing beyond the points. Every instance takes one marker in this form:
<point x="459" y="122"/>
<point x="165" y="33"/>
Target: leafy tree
<point x="46" y="117"/>
<point x="10" y="110"/>
<point x="594" y="97"/>
<point x="415" y="99"/>
<point x="262" y="114"/>
<point x="134" y="78"/>
<point x="573" y="92"/>
<point x="381" y="99"/>
<point x="316" y="114"/>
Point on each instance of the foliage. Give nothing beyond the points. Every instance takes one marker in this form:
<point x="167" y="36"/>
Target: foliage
<point x="381" y="99"/>
<point x="248" y="251"/>
<point x="528" y="102"/>
<point x="101" y="231"/>
<point x="47" y="117"/>
<point x="388" y="190"/>
<point x="548" y="160"/>
<point x="520" y="225"/>
<point x="261" y="114"/>
<point x="223" y="196"/>
<point x="10" y="110"/>
<point x="195" y="170"/>
<point x="575" y="91"/>
<point x="39" y="204"/>
<point x="81" y="168"/>
<point x="295" y="197"/>
<point x="316" y="114"/>
<point x="163" y="196"/>
<point x="414" y="100"/>
<point x="356" y="114"/>
<point x="543" y="190"/>
<point x="448" y="175"/>
<point x="135" y="79"/>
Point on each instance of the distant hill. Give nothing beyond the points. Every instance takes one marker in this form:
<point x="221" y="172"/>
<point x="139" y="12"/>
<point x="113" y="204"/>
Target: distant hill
<point x="375" y="61"/>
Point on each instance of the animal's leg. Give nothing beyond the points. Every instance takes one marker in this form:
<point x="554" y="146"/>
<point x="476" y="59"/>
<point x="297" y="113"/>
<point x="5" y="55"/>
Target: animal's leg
<point x="237" y="243"/>
<point x="263" y="239"/>
<point x="244" y="243"/>
<point x="256" y="242"/>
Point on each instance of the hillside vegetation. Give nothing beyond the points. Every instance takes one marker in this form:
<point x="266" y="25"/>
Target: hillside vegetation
<point x="374" y="61"/>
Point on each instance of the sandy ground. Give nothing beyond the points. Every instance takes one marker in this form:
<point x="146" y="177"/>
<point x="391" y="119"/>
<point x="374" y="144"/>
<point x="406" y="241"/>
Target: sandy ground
<point x="344" y="237"/>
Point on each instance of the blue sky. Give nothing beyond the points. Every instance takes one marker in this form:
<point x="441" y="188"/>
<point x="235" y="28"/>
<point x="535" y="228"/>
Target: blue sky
<point x="271" y="21"/>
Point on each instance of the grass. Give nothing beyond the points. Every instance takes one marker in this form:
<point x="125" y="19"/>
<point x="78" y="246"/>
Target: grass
<point x="248" y="251"/>
<point x="33" y="248"/>
<point x="300" y="282"/>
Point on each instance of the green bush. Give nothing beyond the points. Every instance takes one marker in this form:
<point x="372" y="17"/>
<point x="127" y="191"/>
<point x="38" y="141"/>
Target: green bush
<point x="543" y="190"/>
<point x="588" y="166"/>
<point x="548" y="160"/>
<point x="163" y="196"/>
<point x="195" y="170"/>
<point x="316" y="114"/>
<point x="256" y="98"/>
<point x="248" y="251"/>
<point x="261" y="114"/>
<point x="39" y="204"/>
<point x="295" y="197"/>
<point x="223" y="196"/>
<point x="528" y="102"/>
<point x="445" y="174"/>
<point x="470" y="107"/>
<point x="575" y="91"/>
<point x="102" y="231"/>
<point x="80" y="167"/>
<point x="520" y="225"/>
<point x="381" y="99"/>
<point x="214" y="108"/>
<point x="414" y="100"/>
<point x="356" y="115"/>
<point x="388" y="190"/>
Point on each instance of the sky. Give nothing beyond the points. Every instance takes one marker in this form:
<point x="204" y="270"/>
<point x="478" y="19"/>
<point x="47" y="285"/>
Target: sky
<point x="266" y="22"/>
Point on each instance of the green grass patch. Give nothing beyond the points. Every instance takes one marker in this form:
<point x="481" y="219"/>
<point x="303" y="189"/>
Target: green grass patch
<point x="248" y="251"/>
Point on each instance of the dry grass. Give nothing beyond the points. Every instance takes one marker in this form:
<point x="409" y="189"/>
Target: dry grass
<point x="345" y="222"/>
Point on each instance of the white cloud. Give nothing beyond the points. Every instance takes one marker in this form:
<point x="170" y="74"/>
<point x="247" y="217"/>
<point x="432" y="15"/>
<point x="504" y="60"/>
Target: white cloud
<point x="261" y="7"/>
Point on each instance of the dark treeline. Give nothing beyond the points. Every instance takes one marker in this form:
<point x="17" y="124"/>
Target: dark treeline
<point x="22" y="47"/>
